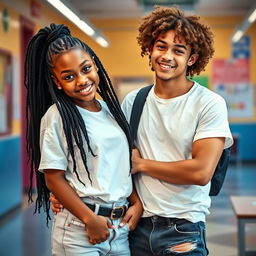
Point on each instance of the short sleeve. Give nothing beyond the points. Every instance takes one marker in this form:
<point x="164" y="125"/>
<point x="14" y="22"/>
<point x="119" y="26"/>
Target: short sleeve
<point x="127" y="104"/>
<point x="213" y="122"/>
<point x="52" y="143"/>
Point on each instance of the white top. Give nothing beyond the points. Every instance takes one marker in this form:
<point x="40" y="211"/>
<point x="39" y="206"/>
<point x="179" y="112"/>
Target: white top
<point x="109" y="170"/>
<point x="167" y="130"/>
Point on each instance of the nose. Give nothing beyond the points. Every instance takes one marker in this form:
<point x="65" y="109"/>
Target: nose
<point x="82" y="79"/>
<point x="168" y="55"/>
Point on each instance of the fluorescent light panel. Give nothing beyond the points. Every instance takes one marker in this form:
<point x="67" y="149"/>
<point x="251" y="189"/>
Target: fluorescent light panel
<point x="252" y="17"/>
<point x="237" y="36"/>
<point x="100" y="40"/>
<point x="244" y="26"/>
<point x="69" y="14"/>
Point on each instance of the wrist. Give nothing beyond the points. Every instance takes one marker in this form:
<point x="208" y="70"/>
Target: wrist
<point x="88" y="217"/>
<point x="142" y="164"/>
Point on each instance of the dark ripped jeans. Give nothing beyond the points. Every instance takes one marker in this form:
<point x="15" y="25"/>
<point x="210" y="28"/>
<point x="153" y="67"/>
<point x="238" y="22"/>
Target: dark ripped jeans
<point x="168" y="236"/>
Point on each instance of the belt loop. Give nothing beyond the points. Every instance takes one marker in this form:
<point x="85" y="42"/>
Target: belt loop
<point x="97" y="207"/>
<point x="169" y="222"/>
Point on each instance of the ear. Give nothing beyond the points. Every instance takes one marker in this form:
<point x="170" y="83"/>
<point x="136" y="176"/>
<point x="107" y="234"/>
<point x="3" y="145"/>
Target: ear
<point x="56" y="81"/>
<point x="192" y="59"/>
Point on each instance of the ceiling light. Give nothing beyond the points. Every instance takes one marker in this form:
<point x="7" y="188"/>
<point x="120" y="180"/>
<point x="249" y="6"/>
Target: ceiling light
<point x="80" y="23"/>
<point x="100" y="40"/>
<point x="252" y="17"/>
<point x="237" y="36"/>
<point x="244" y="26"/>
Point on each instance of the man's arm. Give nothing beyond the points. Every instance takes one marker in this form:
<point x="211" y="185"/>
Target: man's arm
<point x="196" y="171"/>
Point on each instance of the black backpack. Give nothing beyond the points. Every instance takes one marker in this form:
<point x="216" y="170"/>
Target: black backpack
<point x="221" y="169"/>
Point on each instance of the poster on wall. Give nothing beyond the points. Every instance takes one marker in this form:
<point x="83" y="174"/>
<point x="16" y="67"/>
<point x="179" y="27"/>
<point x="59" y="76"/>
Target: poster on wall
<point x="242" y="48"/>
<point x="231" y="81"/>
<point x="239" y="98"/>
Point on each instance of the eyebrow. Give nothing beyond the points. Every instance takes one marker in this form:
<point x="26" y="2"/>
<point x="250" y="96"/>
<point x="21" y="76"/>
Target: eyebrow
<point x="70" y="70"/>
<point x="177" y="45"/>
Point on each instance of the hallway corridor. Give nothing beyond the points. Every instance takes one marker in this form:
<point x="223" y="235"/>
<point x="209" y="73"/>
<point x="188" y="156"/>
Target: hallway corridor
<point x="25" y="234"/>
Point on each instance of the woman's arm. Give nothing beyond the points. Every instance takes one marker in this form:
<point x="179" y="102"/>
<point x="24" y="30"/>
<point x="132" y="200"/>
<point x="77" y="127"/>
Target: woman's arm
<point x="96" y="226"/>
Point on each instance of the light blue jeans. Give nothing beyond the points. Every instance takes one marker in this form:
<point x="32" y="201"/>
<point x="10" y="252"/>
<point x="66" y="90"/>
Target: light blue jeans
<point x="69" y="238"/>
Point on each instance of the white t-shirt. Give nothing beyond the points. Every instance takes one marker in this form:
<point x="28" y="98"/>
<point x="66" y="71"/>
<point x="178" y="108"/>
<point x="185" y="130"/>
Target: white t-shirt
<point x="109" y="170"/>
<point x="167" y="130"/>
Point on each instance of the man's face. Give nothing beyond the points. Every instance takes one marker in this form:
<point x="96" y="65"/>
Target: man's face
<point x="171" y="58"/>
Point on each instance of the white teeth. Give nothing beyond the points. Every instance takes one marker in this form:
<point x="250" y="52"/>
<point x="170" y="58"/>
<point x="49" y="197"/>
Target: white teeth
<point x="86" y="89"/>
<point x="166" y="66"/>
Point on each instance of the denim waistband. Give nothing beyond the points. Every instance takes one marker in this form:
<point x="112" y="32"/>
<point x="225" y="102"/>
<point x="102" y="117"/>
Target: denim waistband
<point x="101" y="203"/>
<point x="162" y="220"/>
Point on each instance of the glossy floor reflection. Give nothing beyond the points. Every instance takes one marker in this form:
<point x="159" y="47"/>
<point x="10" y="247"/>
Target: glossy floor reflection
<point x="26" y="234"/>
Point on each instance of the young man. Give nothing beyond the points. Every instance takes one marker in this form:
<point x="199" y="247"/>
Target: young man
<point x="182" y="132"/>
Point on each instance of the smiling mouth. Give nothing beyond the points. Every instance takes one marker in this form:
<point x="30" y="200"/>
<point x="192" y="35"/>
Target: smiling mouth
<point x="167" y="67"/>
<point x="86" y="90"/>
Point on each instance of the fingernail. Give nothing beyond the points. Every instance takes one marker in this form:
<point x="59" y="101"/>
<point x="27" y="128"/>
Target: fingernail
<point x="121" y="224"/>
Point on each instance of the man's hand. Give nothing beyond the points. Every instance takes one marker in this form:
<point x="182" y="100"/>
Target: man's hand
<point x="55" y="204"/>
<point x="136" y="160"/>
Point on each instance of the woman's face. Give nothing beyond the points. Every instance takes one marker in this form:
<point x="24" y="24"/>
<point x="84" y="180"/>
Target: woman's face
<point x="76" y="73"/>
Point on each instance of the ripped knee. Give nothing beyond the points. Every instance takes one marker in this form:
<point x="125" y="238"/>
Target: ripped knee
<point x="182" y="247"/>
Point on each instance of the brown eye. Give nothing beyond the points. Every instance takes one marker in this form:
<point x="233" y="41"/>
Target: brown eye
<point x="86" y="68"/>
<point x="68" y="77"/>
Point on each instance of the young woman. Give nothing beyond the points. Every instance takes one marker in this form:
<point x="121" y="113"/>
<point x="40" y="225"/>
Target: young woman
<point x="79" y="146"/>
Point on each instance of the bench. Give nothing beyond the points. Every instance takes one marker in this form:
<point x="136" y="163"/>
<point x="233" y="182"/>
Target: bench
<point x="245" y="210"/>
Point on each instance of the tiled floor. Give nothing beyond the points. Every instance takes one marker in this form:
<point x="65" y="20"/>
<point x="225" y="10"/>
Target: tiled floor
<point x="25" y="234"/>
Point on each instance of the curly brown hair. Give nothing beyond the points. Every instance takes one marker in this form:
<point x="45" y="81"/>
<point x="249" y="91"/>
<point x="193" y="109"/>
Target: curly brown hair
<point x="195" y="34"/>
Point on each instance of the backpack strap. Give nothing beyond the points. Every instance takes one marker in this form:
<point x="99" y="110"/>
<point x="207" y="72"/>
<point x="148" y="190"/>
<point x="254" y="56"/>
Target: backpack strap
<point x="137" y="108"/>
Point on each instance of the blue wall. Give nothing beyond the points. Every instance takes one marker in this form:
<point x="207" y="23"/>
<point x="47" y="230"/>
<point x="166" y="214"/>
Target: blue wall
<point x="246" y="140"/>
<point x="10" y="173"/>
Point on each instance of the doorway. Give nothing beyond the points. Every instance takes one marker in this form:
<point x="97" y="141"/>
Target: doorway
<point x="27" y="29"/>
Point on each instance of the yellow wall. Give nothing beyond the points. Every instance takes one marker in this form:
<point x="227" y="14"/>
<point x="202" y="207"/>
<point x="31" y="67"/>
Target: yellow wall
<point x="122" y="58"/>
<point x="10" y="39"/>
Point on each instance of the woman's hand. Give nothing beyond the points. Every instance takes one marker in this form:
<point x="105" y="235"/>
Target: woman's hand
<point x="97" y="229"/>
<point x="132" y="216"/>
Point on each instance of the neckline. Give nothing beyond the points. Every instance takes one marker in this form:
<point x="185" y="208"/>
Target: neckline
<point x="99" y="102"/>
<point x="175" y="98"/>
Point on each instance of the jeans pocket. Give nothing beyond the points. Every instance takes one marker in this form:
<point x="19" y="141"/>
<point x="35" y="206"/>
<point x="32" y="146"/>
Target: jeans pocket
<point x="76" y="224"/>
<point x="187" y="228"/>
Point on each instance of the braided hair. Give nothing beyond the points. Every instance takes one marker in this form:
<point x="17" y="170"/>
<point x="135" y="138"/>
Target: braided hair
<point x="42" y="93"/>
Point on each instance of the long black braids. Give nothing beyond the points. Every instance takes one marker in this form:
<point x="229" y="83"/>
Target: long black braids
<point x="42" y="93"/>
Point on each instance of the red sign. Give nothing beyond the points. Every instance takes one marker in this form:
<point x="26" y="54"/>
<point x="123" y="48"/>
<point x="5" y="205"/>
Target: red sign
<point x="35" y="9"/>
<point x="231" y="71"/>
